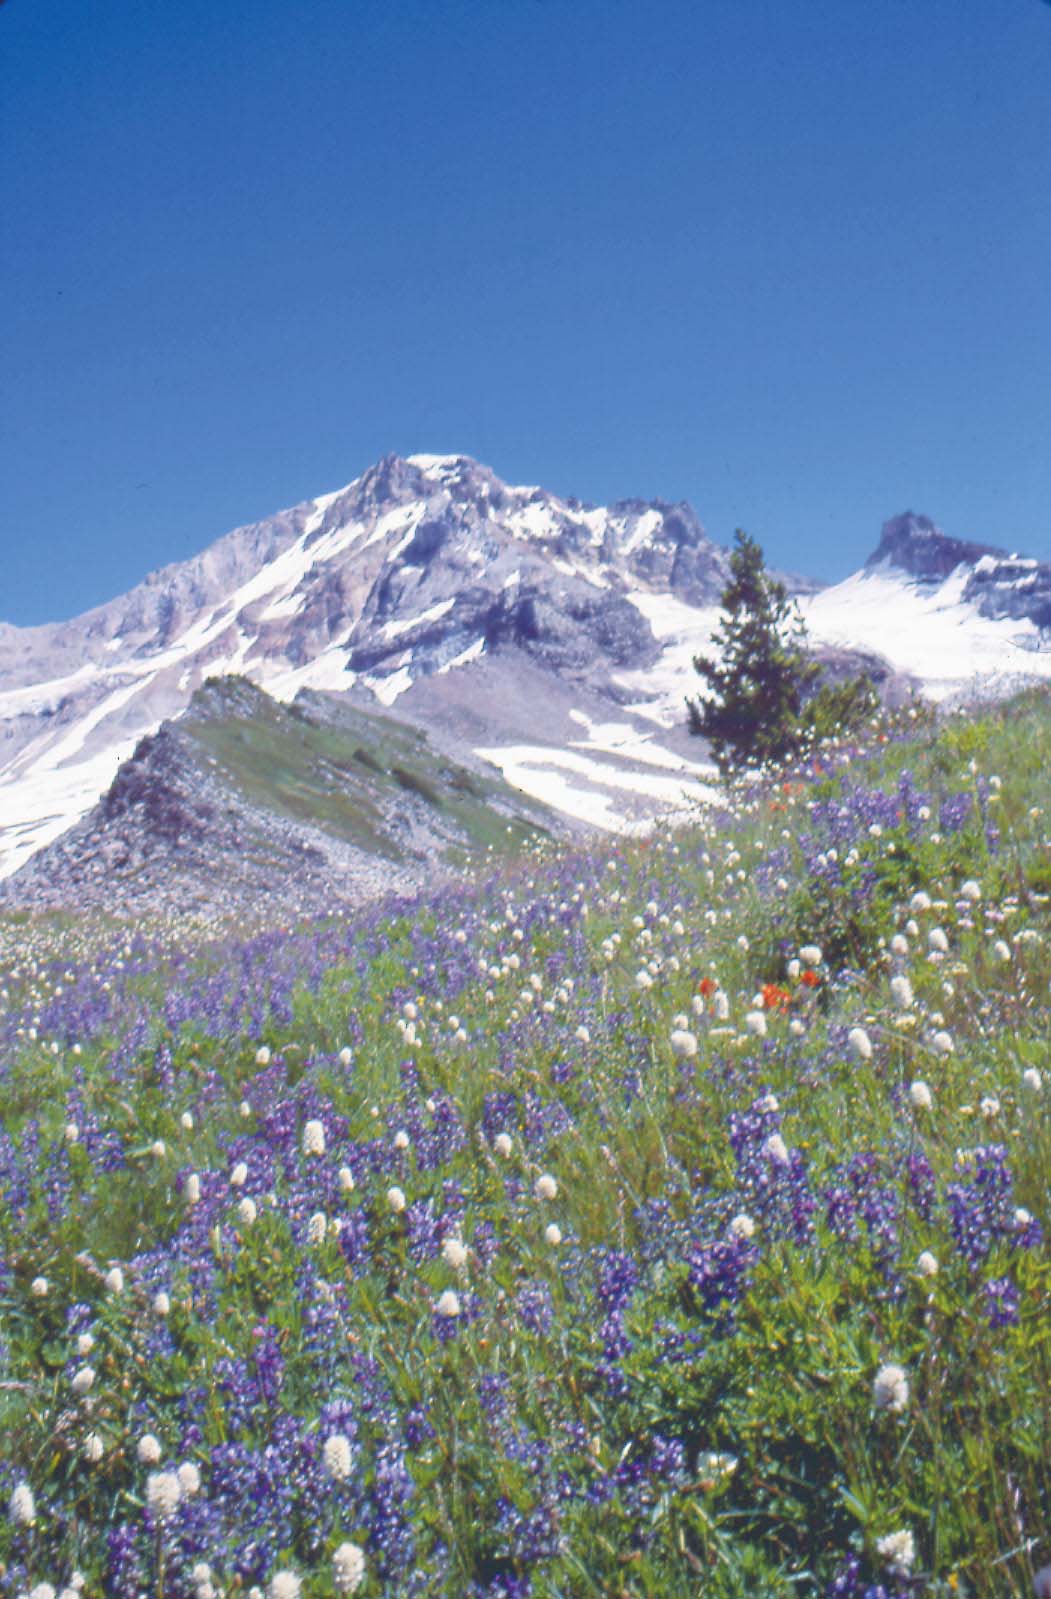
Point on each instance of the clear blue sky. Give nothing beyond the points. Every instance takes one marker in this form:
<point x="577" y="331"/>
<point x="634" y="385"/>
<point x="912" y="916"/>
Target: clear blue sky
<point x="790" y="261"/>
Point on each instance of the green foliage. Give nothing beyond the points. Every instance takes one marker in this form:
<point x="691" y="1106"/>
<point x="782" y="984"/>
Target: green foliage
<point x="758" y="683"/>
<point x="836" y="708"/>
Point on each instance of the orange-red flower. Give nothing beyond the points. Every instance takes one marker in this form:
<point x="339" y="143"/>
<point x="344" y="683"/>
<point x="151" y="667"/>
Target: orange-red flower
<point x="775" y="998"/>
<point x="810" y="979"/>
<point x="706" y="986"/>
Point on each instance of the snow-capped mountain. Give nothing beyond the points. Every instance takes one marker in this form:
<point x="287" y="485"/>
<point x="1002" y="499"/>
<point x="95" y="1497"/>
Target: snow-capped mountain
<point x="551" y="638"/>
<point x="956" y="617"/>
<point x="410" y="574"/>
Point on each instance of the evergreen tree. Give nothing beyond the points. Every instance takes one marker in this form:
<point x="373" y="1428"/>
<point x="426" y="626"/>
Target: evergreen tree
<point x="759" y="680"/>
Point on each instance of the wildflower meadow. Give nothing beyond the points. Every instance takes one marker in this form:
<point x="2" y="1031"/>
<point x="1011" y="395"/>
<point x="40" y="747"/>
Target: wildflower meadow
<point x="662" y="1218"/>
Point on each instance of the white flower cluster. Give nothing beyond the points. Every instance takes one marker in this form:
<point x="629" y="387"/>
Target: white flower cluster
<point x="337" y="1457"/>
<point x="890" y="1390"/>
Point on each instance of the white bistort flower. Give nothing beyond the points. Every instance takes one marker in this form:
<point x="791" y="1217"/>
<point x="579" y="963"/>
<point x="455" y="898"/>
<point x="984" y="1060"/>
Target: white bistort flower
<point x="890" y="1389"/>
<point x="755" y="1023"/>
<point x="683" y="1043"/>
<point x="83" y="1380"/>
<point x="553" y="1234"/>
<point x="897" y="1551"/>
<point x="247" y="1212"/>
<point x="313" y="1138"/>
<point x="454" y="1253"/>
<point x="502" y="1145"/>
<point x="348" y="1568"/>
<point x="396" y="1199"/>
<point x="776" y="1150"/>
<point x="163" y="1492"/>
<point x="337" y="1457"/>
<point x="189" y="1478"/>
<point x="317" y="1227"/>
<point x="901" y="991"/>
<point x="860" y="1043"/>
<point x="920" y="1095"/>
<point x="148" y="1449"/>
<point x="546" y="1187"/>
<point x="284" y="1585"/>
<point x="742" y="1226"/>
<point x="22" y="1506"/>
<point x="239" y="1175"/>
<point x="448" y="1303"/>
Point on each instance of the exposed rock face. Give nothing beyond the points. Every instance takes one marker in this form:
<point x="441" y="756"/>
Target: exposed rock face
<point x="838" y="665"/>
<point x="999" y="585"/>
<point x="915" y="545"/>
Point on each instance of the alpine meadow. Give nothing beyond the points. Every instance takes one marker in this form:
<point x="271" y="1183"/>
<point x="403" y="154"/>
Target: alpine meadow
<point x="525" y="800"/>
<point x="659" y="1218"/>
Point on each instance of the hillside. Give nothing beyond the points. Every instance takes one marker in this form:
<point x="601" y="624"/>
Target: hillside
<point x="663" y="1217"/>
<point x="243" y="801"/>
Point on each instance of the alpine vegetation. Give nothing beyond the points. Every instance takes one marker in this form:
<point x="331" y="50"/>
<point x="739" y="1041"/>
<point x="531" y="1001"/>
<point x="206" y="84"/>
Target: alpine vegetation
<point x="659" y="1218"/>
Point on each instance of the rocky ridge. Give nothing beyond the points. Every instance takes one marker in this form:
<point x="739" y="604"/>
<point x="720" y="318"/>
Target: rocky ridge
<point x="242" y="798"/>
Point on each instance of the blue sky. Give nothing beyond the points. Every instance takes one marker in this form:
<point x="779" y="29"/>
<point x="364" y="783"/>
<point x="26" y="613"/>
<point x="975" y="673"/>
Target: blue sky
<point x="788" y="261"/>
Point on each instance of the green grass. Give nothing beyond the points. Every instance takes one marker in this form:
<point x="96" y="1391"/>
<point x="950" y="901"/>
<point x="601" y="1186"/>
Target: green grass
<point x="347" y="773"/>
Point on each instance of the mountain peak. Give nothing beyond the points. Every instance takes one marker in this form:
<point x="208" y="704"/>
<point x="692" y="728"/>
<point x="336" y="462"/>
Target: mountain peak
<point x="917" y="546"/>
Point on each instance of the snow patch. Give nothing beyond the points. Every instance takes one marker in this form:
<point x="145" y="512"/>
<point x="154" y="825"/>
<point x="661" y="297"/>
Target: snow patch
<point x="930" y="634"/>
<point x="540" y="771"/>
<point x="387" y="689"/>
<point x="644" y="529"/>
<point x="397" y="520"/>
<point x="465" y="657"/>
<point x="433" y="614"/>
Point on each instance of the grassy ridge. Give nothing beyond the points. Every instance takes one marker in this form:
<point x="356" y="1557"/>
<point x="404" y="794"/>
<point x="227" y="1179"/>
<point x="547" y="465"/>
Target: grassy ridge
<point x="346" y="772"/>
<point x="662" y="1219"/>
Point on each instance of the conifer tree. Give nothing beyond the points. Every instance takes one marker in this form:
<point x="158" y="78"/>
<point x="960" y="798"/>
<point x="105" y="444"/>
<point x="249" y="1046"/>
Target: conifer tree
<point x="758" y="681"/>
